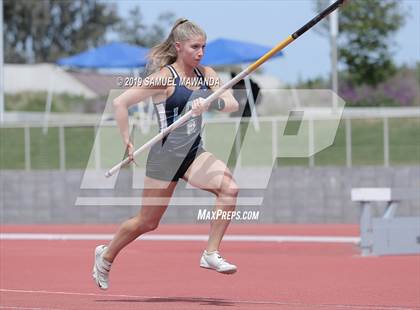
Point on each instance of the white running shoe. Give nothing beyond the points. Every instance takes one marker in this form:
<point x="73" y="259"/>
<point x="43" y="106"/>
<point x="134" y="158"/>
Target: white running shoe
<point x="213" y="260"/>
<point x="101" y="268"/>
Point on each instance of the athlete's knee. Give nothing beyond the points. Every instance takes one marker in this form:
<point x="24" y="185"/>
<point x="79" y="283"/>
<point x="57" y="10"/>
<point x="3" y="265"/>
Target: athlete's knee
<point x="228" y="188"/>
<point x="145" y="225"/>
<point x="150" y="225"/>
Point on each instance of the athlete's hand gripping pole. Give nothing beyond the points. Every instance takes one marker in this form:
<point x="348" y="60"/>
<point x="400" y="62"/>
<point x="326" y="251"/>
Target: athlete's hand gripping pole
<point x="229" y="84"/>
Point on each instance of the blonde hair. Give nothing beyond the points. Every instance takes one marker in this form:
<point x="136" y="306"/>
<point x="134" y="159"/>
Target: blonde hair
<point x="165" y="53"/>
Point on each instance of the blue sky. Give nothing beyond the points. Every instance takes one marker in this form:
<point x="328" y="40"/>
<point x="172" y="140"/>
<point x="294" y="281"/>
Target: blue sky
<point x="269" y="22"/>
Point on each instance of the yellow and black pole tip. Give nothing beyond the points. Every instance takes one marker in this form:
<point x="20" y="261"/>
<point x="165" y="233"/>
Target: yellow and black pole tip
<point x="318" y="18"/>
<point x="296" y="35"/>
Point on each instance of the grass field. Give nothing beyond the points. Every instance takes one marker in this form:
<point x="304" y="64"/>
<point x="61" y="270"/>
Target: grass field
<point x="367" y="144"/>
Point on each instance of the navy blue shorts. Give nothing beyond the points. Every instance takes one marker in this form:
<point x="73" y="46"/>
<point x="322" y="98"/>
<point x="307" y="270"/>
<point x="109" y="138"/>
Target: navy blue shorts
<point x="169" y="166"/>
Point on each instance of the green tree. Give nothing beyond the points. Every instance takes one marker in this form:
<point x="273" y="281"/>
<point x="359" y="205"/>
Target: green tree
<point x="418" y="71"/>
<point x="364" y="45"/>
<point x="44" y="30"/>
<point x="133" y="30"/>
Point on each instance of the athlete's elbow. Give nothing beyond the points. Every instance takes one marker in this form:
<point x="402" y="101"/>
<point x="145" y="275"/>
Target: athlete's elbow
<point x="233" y="106"/>
<point x="236" y="106"/>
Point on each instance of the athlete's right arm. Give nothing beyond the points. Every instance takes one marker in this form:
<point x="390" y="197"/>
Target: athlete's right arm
<point x="134" y="95"/>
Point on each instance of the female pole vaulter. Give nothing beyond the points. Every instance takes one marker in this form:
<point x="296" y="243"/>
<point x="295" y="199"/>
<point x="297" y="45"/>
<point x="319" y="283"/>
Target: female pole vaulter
<point x="180" y="154"/>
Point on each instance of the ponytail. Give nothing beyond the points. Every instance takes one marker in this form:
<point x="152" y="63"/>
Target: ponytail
<point x="165" y="53"/>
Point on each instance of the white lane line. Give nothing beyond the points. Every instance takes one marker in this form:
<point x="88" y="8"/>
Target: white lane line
<point x="175" y="237"/>
<point x="175" y="201"/>
<point x="26" y="308"/>
<point x="210" y="299"/>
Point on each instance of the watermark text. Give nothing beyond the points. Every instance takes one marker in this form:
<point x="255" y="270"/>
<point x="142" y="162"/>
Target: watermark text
<point x="207" y="215"/>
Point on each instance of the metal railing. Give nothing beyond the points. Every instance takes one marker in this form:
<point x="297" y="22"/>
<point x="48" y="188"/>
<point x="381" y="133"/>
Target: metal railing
<point x="348" y="117"/>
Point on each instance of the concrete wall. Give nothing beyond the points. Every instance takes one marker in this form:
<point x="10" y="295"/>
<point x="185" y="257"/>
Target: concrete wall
<point x="294" y="195"/>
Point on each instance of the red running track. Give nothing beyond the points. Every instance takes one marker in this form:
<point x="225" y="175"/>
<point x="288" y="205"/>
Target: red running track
<point x="165" y="274"/>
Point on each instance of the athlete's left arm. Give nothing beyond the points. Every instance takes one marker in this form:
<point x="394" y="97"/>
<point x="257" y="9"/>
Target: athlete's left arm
<point x="214" y="82"/>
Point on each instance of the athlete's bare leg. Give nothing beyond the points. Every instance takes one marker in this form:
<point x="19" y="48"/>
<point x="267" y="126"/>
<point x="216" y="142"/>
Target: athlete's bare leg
<point x="211" y="174"/>
<point x="156" y="196"/>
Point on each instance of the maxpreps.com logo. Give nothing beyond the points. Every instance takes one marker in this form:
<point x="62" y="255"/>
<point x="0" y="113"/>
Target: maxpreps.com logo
<point x="213" y="215"/>
<point x="301" y="124"/>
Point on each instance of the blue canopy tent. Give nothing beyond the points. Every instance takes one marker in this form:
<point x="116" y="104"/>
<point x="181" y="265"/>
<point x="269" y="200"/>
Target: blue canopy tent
<point x="108" y="56"/>
<point x="224" y="52"/>
<point x="112" y="55"/>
